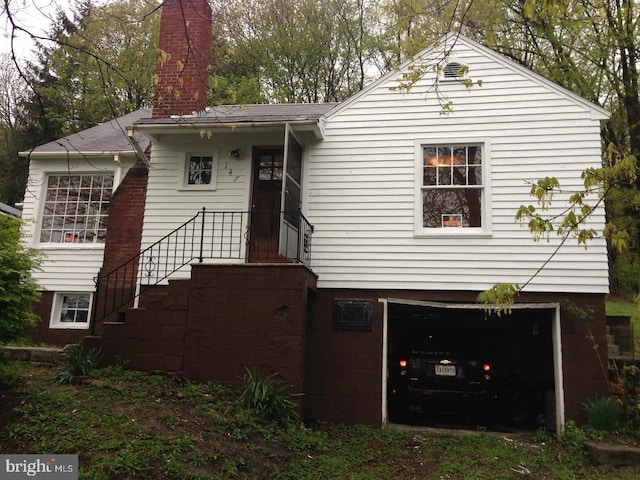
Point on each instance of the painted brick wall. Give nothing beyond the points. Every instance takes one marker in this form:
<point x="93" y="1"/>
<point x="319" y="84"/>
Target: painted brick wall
<point x="248" y="316"/>
<point x="344" y="369"/>
<point x="183" y="59"/>
<point x="264" y="316"/>
<point x="343" y="381"/>
<point x="223" y="320"/>
<point x="41" y="333"/>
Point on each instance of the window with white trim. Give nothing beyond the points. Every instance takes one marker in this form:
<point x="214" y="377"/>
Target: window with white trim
<point x="76" y="208"/>
<point x="200" y="171"/>
<point x="71" y="310"/>
<point x="452" y="189"/>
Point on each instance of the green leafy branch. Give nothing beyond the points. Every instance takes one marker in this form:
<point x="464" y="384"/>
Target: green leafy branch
<point x="620" y="168"/>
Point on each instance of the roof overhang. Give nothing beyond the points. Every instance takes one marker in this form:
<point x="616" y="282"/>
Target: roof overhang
<point x="183" y="125"/>
<point x="76" y="154"/>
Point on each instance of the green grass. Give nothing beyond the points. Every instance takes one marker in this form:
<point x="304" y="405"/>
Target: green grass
<point x="629" y="309"/>
<point x="133" y="425"/>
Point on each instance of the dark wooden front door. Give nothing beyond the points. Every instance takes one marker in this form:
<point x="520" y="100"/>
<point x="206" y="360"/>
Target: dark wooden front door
<point x="265" y="204"/>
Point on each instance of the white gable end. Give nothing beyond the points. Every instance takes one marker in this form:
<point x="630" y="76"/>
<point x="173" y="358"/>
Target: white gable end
<point x="364" y="182"/>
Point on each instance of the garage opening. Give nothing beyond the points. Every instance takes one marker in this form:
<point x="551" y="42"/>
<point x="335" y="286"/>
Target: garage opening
<point x="454" y="365"/>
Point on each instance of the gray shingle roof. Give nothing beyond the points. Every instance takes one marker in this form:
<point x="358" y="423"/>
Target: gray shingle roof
<point x="8" y="209"/>
<point x="259" y="113"/>
<point x="109" y="136"/>
<point x="112" y="136"/>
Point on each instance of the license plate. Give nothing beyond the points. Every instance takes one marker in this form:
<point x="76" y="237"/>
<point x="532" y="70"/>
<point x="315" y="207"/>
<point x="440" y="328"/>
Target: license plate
<point x="446" y="370"/>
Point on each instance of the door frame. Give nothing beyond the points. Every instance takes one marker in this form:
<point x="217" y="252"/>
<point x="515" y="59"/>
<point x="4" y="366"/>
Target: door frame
<point x="556" y="339"/>
<point x="253" y="251"/>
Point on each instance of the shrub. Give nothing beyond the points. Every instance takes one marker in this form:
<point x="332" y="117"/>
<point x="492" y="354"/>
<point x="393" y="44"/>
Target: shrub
<point x="18" y="290"/>
<point x="268" y="397"/>
<point x="629" y="387"/>
<point x="603" y="413"/>
<point x="572" y="439"/>
<point x="9" y="373"/>
<point x="79" y="362"/>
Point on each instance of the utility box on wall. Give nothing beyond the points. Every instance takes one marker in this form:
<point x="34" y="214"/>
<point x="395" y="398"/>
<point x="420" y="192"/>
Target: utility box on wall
<point x="354" y="315"/>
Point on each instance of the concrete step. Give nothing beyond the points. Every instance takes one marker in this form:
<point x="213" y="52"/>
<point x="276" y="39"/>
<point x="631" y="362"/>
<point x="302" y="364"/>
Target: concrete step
<point x="613" y="454"/>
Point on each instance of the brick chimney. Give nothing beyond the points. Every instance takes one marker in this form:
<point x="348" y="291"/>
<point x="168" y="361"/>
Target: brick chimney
<point x="183" y="58"/>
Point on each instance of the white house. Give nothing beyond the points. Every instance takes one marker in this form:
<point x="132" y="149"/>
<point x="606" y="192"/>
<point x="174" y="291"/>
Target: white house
<point x="383" y="216"/>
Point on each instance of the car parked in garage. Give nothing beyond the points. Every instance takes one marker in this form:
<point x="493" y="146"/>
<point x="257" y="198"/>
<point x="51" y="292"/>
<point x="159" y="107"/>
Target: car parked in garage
<point x="435" y="372"/>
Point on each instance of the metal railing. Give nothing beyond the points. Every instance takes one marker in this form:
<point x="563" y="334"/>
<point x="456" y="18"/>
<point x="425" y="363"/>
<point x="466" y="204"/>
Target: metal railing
<point x="246" y="236"/>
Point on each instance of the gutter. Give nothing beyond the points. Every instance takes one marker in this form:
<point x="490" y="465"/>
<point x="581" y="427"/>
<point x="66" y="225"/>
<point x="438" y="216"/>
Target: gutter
<point x="178" y="125"/>
<point x="49" y="154"/>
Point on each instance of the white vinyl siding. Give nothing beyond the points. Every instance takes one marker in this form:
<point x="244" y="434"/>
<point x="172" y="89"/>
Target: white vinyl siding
<point x="362" y="182"/>
<point x="68" y="267"/>
<point x="168" y="207"/>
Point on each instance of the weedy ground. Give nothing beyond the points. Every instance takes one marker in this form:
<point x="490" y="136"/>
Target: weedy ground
<point x="131" y="425"/>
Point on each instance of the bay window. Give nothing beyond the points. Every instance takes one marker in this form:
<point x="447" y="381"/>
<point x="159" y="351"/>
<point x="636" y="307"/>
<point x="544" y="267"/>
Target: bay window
<point x="76" y="208"/>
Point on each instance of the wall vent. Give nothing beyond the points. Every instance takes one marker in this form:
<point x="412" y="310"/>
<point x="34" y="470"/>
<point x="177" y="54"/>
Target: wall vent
<point x="452" y="69"/>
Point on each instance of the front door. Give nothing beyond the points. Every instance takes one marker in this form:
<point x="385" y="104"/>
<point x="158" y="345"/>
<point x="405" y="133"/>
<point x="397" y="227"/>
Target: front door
<point x="268" y="164"/>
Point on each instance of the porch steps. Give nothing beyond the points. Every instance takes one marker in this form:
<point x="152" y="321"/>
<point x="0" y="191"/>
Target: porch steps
<point x="143" y="336"/>
<point x="620" y="339"/>
<point x="612" y="347"/>
<point x="174" y="296"/>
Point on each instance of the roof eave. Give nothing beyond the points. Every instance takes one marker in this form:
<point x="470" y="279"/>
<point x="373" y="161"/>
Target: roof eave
<point x="152" y="129"/>
<point x="74" y="154"/>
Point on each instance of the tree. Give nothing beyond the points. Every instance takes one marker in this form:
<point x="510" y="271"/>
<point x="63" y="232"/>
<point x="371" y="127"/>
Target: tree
<point x="589" y="47"/>
<point x="13" y="170"/>
<point x="99" y="65"/>
<point x="233" y="79"/>
<point x="303" y="50"/>
<point x="18" y="290"/>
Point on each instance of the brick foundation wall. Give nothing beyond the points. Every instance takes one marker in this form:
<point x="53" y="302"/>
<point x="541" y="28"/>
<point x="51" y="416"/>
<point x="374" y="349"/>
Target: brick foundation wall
<point x="343" y="381"/>
<point x="223" y="320"/>
<point x="41" y="333"/>
<point x="248" y="316"/>
<point x="272" y="318"/>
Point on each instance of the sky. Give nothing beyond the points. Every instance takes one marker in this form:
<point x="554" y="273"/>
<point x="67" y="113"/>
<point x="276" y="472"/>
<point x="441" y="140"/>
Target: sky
<point x="35" y="16"/>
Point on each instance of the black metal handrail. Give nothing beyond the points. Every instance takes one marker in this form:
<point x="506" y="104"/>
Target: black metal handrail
<point x="207" y="235"/>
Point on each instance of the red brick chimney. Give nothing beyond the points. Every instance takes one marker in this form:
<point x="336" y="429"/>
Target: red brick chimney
<point x="183" y="58"/>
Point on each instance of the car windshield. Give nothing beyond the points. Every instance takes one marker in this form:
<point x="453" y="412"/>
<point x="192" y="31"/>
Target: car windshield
<point x="439" y="345"/>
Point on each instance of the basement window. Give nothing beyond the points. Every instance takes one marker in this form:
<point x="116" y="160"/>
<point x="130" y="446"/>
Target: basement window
<point x="71" y="310"/>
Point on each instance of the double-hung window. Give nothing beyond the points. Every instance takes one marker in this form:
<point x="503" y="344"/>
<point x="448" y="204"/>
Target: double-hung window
<point x="76" y="208"/>
<point x="451" y="194"/>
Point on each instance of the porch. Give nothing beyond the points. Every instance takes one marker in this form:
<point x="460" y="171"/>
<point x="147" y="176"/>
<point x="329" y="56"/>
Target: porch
<point x="211" y="237"/>
<point x="217" y="322"/>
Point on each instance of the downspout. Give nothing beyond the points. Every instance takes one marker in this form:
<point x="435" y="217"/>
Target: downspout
<point x="136" y="146"/>
<point x="117" y="177"/>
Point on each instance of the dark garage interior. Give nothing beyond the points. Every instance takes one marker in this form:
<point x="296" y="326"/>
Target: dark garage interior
<point x="515" y="349"/>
